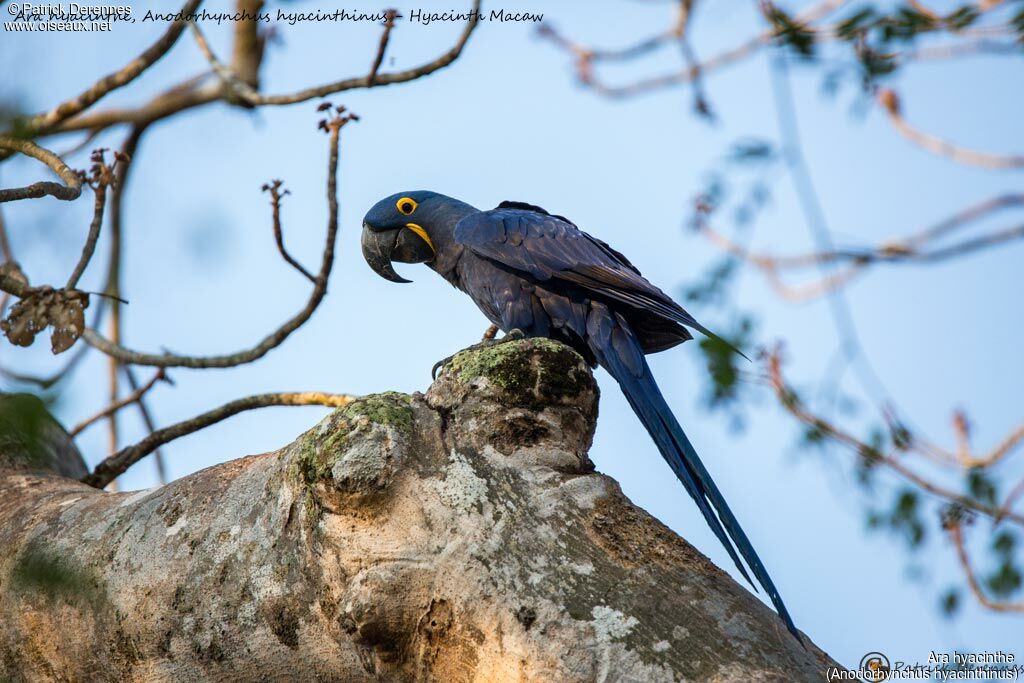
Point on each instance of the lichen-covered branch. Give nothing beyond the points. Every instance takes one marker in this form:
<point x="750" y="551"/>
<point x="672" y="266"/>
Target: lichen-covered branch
<point x="456" y="536"/>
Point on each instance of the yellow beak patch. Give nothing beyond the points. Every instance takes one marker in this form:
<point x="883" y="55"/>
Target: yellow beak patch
<point x="418" y="229"/>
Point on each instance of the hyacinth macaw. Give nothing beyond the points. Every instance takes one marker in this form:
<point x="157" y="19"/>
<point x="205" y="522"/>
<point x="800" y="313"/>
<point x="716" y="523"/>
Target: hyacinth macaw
<point x="535" y="274"/>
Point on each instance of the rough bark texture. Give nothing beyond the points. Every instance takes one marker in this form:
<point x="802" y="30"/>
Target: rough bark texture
<point x="461" y="535"/>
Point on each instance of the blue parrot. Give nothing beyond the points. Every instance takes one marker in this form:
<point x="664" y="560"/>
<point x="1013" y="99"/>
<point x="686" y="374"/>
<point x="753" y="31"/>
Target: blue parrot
<point x="536" y="274"/>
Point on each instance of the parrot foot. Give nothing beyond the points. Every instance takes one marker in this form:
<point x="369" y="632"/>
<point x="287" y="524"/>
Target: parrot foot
<point x="490" y="333"/>
<point x="512" y="335"/>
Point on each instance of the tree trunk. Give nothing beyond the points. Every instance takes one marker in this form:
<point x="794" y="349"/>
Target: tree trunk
<point x="461" y="535"/>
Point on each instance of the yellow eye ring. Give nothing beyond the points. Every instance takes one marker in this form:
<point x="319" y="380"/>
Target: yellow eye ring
<point x="406" y="206"/>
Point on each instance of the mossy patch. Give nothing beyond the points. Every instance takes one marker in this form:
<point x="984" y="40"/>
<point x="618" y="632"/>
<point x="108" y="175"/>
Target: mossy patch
<point x="390" y="409"/>
<point x="319" y="448"/>
<point x="531" y="371"/>
<point x="54" y="577"/>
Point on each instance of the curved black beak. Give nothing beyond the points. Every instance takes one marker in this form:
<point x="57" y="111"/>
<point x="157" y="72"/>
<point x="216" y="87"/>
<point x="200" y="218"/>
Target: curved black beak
<point x="378" y="245"/>
<point x="405" y="245"/>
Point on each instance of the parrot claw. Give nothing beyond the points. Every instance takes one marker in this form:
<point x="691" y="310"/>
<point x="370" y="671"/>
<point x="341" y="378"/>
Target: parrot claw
<point x="512" y="335"/>
<point x="438" y="365"/>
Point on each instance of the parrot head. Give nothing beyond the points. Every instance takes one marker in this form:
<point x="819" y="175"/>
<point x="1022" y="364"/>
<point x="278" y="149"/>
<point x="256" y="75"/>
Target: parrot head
<point x="402" y="227"/>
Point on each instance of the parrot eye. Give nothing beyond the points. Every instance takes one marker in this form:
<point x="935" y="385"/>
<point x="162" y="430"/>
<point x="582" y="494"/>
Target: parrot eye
<point x="406" y="206"/>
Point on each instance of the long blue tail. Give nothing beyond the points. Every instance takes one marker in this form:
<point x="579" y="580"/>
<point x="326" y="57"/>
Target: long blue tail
<point x="623" y="358"/>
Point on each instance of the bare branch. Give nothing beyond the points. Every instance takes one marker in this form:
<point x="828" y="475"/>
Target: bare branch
<point x="389" y="23"/>
<point x="277" y="337"/>
<point x="5" y="244"/>
<point x="693" y="71"/>
<point x="1011" y="498"/>
<point x="6" y="257"/>
<point x="43" y="123"/>
<point x="187" y="96"/>
<point x="955" y="530"/>
<point x="276" y="194"/>
<point x="90" y="242"/>
<point x="113" y="286"/>
<point x="133" y="397"/>
<point x="242" y="90"/>
<point x="788" y="398"/>
<point x="961" y="49"/>
<point x="103" y="177"/>
<point x="909" y="249"/>
<point x="116" y="464"/>
<point x="147" y="419"/>
<point x="380" y="79"/>
<point x="70" y="190"/>
<point x="169" y="103"/>
<point x="248" y="44"/>
<point x="891" y="103"/>
<point x="964" y="456"/>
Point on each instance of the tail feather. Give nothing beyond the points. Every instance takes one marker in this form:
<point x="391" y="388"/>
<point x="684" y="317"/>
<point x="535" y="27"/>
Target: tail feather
<point x="629" y="368"/>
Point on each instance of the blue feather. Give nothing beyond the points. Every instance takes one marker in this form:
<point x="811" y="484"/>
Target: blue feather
<point x="618" y="351"/>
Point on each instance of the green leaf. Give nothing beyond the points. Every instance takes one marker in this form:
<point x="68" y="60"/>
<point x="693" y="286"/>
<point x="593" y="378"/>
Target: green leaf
<point x="792" y="33"/>
<point x="962" y="17"/>
<point x="857" y="23"/>
<point x="950" y="602"/>
<point x="980" y="487"/>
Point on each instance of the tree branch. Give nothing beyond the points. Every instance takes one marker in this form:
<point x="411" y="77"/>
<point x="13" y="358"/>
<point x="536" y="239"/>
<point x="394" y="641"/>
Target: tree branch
<point x="242" y="90"/>
<point x="789" y="400"/>
<point x="693" y="71"/>
<point x="955" y="531"/>
<point x="70" y="190"/>
<point x="389" y="23"/>
<point x="173" y="101"/>
<point x="913" y="248"/>
<point x="103" y="177"/>
<point x="276" y="194"/>
<point x="147" y="419"/>
<point x="278" y="336"/>
<point x="891" y="104"/>
<point x="399" y="539"/>
<point x="43" y="123"/>
<point x="248" y="44"/>
<point x="382" y="79"/>
<point x="187" y="96"/>
<point x="134" y="397"/>
<point x="115" y="465"/>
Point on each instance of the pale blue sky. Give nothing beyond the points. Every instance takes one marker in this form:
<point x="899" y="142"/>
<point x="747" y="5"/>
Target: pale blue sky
<point x="508" y="122"/>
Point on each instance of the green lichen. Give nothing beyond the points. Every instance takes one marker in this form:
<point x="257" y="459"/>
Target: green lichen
<point x="390" y="408"/>
<point x="527" y="369"/>
<point x="39" y="571"/>
<point x="23" y="423"/>
<point x="318" y="449"/>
